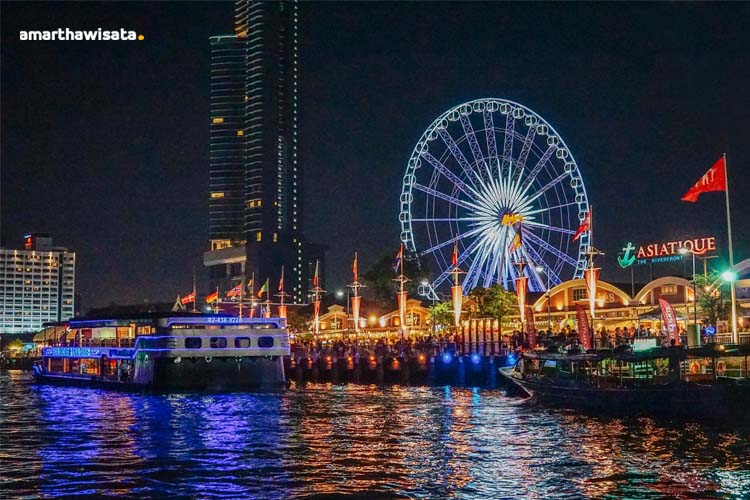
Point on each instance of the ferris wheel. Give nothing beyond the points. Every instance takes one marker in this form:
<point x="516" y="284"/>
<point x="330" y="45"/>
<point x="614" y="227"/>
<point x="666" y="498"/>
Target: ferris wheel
<point x="482" y="173"/>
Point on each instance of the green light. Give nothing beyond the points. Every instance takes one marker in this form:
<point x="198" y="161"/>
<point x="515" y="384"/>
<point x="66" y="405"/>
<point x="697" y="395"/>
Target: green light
<point x="729" y="276"/>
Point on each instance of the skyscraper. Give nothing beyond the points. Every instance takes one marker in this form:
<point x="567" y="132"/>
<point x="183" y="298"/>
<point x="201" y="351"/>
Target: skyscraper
<point x="255" y="204"/>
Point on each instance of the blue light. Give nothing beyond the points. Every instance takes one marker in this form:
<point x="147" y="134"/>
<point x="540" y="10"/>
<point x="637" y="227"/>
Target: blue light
<point x="476" y="358"/>
<point x="447" y="358"/>
<point x="510" y="360"/>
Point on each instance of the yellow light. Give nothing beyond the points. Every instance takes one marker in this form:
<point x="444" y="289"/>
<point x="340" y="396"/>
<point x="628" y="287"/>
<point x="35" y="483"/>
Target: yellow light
<point x="218" y="120"/>
<point x="217" y="194"/>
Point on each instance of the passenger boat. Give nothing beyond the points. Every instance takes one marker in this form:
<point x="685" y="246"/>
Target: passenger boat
<point x="709" y="380"/>
<point x="168" y="353"/>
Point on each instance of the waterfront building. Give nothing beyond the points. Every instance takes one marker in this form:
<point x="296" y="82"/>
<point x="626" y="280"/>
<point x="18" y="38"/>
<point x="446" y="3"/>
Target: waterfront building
<point x="255" y="174"/>
<point x="37" y="285"/>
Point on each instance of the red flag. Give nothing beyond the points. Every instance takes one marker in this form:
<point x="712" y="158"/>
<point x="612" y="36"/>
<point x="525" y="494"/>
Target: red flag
<point x="187" y="299"/>
<point x="354" y="268"/>
<point x="714" y="180"/>
<point x="584" y="227"/>
<point x="315" y="276"/>
<point x="399" y="258"/>
<point x="455" y="255"/>
<point x="584" y="330"/>
<point x="212" y="297"/>
<point x="670" y="320"/>
<point x="281" y="283"/>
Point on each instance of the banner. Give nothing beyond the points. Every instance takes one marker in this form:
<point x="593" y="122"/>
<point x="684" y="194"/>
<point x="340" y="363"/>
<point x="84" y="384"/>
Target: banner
<point x="402" y="308"/>
<point x="521" y="293"/>
<point x="457" y="292"/>
<point x="267" y="310"/>
<point x="591" y="275"/>
<point x="355" y="311"/>
<point x="282" y="311"/>
<point x="530" y="327"/>
<point x="584" y="330"/>
<point x="670" y="321"/>
<point x="713" y="180"/>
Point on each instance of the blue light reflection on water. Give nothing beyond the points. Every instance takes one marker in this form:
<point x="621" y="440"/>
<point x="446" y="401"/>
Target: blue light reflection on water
<point x="417" y="442"/>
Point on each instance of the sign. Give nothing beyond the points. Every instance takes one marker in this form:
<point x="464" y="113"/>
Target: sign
<point x="511" y="219"/>
<point x="665" y="251"/>
<point x="73" y="352"/>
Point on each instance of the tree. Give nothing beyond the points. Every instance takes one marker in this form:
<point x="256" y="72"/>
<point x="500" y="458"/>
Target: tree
<point x="441" y="314"/>
<point x="379" y="279"/>
<point x="493" y="302"/>
<point x="711" y="297"/>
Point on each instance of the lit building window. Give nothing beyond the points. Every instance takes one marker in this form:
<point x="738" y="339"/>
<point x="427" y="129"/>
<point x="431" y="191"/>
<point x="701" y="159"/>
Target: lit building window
<point x="217" y="194"/>
<point x="255" y="203"/>
<point x="218" y="120"/>
<point x="275" y="237"/>
<point x="258" y="236"/>
<point x="240" y="132"/>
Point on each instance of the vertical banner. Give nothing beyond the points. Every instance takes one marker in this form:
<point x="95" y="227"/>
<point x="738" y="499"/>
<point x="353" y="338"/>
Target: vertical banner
<point x="670" y="321"/>
<point x="591" y="275"/>
<point x="521" y="293"/>
<point x="457" y="299"/>
<point x="584" y="330"/>
<point x="268" y="310"/>
<point x="316" y="316"/>
<point x="402" y="309"/>
<point x="355" y="312"/>
<point x="530" y="327"/>
<point x="282" y="311"/>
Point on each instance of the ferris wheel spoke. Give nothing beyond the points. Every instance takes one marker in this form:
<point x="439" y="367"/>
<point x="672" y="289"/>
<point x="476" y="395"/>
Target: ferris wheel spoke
<point x="526" y="148"/>
<point x="539" y="166"/>
<point x="510" y="123"/>
<point x="549" y="209"/>
<point x="537" y="259"/>
<point x="489" y="132"/>
<point x="551" y="228"/>
<point x="458" y="155"/>
<point x="448" y="242"/>
<point x="440" y="167"/>
<point x="461" y="259"/>
<point x="443" y="196"/>
<point x="553" y="250"/>
<point x="450" y="219"/>
<point x="472" y="138"/>
<point x="544" y="188"/>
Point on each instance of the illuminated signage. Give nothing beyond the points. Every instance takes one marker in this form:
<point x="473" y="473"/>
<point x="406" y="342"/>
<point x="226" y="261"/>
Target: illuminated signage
<point x="73" y="352"/>
<point x="511" y="219"/>
<point x="667" y="251"/>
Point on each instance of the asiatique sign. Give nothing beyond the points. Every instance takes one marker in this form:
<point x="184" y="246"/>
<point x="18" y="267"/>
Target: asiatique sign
<point x="665" y="251"/>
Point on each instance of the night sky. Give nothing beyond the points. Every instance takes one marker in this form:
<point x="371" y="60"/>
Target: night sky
<point x="105" y="144"/>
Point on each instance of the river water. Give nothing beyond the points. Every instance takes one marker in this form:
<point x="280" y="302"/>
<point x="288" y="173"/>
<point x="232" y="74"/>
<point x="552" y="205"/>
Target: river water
<point x="350" y="440"/>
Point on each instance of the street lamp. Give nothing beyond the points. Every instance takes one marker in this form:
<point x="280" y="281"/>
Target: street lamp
<point x="685" y="251"/>
<point x="540" y="269"/>
<point x="730" y="276"/>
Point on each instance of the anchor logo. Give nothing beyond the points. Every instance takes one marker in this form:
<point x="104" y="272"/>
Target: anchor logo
<point x="627" y="258"/>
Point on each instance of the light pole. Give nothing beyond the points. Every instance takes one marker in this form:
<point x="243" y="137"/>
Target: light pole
<point x="340" y="294"/>
<point x="540" y="269"/>
<point x="684" y="251"/>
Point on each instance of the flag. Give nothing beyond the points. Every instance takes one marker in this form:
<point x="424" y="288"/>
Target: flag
<point x="584" y="330"/>
<point x="455" y="254"/>
<point x="354" y="268"/>
<point x="281" y="280"/>
<point x="399" y="258"/>
<point x="584" y="227"/>
<point x="237" y="290"/>
<point x="250" y="284"/>
<point x="713" y="180"/>
<point x="263" y="289"/>
<point x="670" y="320"/>
<point x="521" y="295"/>
<point x="212" y="297"/>
<point x="591" y="276"/>
<point x="516" y="242"/>
<point x="187" y="299"/>
<point x="315" y="276"/>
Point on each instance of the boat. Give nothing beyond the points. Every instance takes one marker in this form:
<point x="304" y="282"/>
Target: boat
<point x="710" y="380"/>
<point x="173" y="352"/>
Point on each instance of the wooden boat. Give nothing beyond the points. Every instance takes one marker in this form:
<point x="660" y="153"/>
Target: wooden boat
<point x="709" y="380"/>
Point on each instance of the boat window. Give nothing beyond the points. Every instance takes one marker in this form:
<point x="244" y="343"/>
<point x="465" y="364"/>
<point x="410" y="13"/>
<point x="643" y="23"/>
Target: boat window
<point x="193" y="342"/>
<point x="242" y="342"/>
<point x="218" y="342"/>
<point x="265" y="342"/>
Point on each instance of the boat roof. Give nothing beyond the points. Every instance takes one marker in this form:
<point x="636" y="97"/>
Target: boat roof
<point x="707" y="350"/>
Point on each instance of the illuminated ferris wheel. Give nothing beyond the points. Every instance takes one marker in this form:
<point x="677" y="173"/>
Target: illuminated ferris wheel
<point x="481" y="174"/>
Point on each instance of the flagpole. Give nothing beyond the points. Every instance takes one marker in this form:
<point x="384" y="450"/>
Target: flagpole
<point x="194" y="310"/>
<point x="733" y="297"/>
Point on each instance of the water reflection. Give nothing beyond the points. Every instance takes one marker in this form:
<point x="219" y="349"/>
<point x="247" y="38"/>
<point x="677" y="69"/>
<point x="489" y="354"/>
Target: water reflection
<point x="366" y="440"/>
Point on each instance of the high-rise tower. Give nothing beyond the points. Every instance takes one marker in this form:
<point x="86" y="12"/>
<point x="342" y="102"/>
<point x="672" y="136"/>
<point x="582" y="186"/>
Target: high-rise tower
<point x="255" y="204"/>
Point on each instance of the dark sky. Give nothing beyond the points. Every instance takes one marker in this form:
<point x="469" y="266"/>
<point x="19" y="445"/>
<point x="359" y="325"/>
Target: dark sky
<point x="105" y="144"/>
